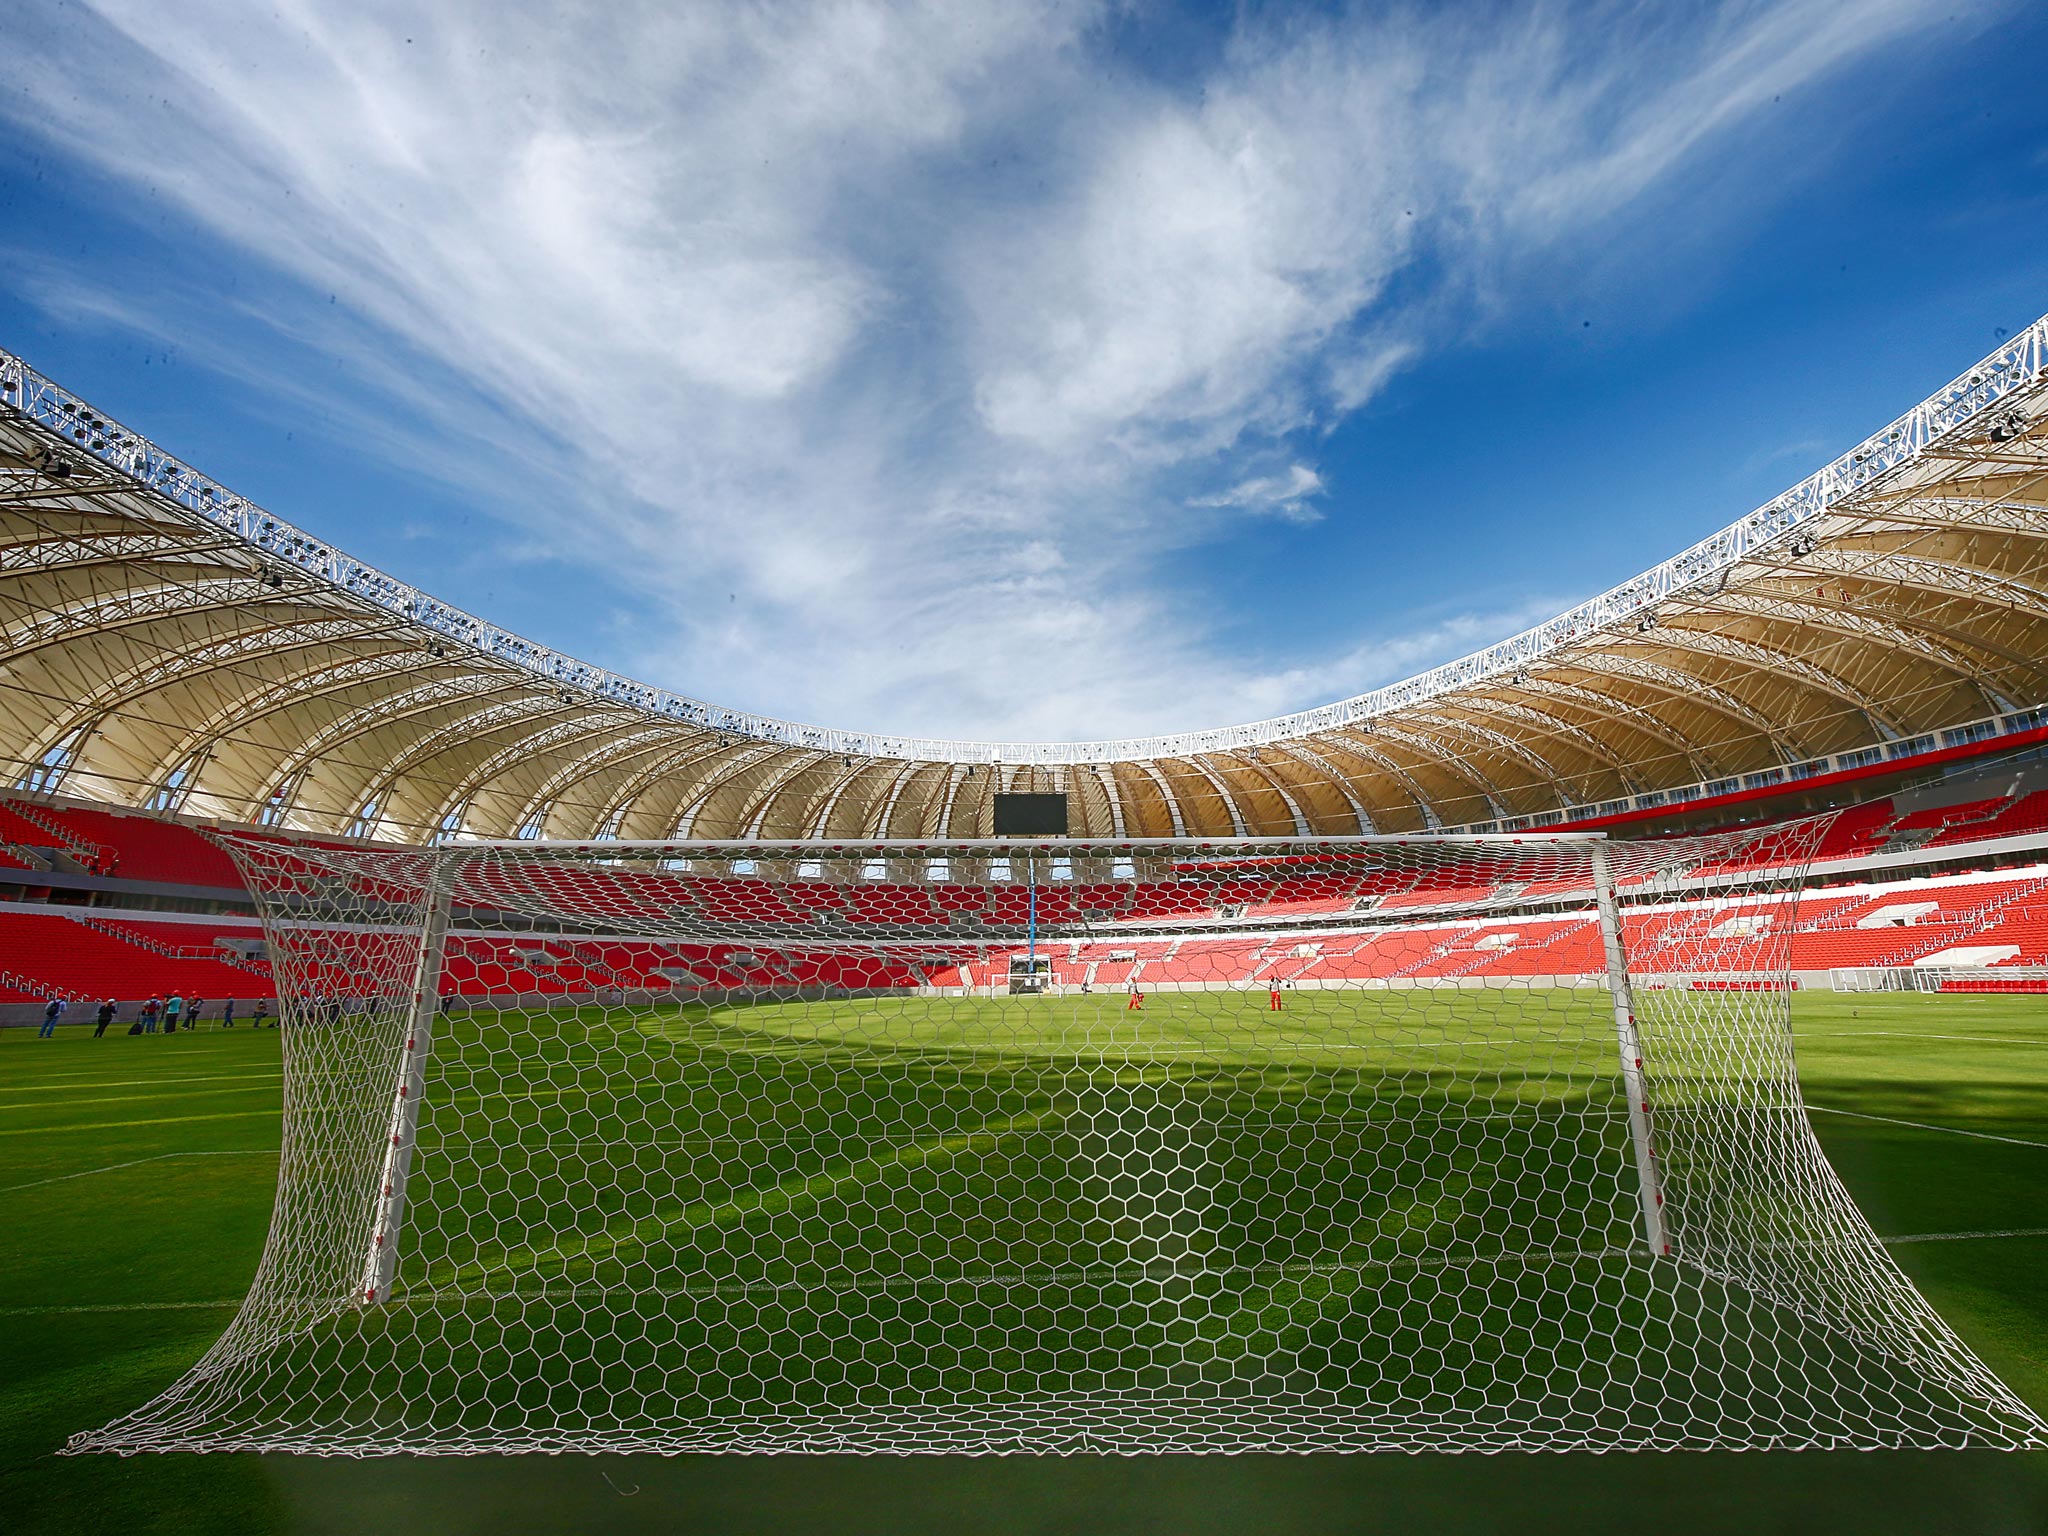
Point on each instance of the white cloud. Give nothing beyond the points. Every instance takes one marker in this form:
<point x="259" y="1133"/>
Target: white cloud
<point x="1282" y="495"/>
<point x="1385" y="659"/>
<point x="1361" y="372"/>
<point x="876" y="348"/>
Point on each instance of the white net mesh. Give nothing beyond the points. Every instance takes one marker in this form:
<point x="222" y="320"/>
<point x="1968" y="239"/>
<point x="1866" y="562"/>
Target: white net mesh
<point x="1268" y="1145"/>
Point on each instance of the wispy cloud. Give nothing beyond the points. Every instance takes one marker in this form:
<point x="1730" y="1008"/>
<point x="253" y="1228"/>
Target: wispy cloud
<point x="1285" y="495"/>
<point x="1802" y="450"/>
<point x="1378" y="661"/>
<point x="883" y="350"/>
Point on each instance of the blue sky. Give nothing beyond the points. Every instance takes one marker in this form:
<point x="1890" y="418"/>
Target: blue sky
<point x="1033" y="373"/>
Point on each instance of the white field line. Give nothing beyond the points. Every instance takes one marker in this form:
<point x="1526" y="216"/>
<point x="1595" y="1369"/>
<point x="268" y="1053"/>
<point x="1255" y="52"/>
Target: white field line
<point x="122" y="1125"/>
<point x="93" y="1078"/>
<point x="1010" y="1279"/>
<point x="86" y="1173"/>
<point x="124" y="1306"/>
<point x="1921" y="1125"/>
<point x="253" y="1114"/>
<point x="1137" y="1053"/>
<point x="144" y="1082"/>
<point x="141" y="1098"/>
<point x="449" y="1139"/>
<point x="1164" y="1272"/>
<point x="1907" y="1034"/>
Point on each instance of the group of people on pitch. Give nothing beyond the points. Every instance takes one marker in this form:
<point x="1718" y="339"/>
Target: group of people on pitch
<point x="165" y="1014"/>
<point x="1274" y="1004"/>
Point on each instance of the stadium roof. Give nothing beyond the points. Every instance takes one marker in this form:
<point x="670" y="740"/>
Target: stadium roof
<point x="168" y="644"/>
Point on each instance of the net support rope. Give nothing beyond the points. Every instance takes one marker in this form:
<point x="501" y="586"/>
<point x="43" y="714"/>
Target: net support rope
<point x="1369" y="1144"/>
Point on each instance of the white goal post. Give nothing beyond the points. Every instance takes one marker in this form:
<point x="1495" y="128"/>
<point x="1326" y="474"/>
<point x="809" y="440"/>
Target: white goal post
<point x="1228" y="1145"/>
<point x="1940" y="978"/>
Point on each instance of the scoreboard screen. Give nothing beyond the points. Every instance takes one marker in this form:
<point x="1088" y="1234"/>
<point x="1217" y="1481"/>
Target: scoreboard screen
<point x="1031" y="816"/>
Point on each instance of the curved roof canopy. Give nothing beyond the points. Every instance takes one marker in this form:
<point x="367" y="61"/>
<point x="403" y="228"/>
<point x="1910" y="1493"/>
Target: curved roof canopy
<point x="167" y="644"/>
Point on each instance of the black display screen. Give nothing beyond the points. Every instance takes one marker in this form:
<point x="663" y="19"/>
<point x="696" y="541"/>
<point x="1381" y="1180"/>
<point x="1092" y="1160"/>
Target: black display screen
<point x="1031" y="816"/>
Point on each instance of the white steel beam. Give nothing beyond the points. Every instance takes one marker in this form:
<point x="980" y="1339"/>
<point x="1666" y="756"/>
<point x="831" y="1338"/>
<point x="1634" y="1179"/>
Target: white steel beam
<point x="1986" y="392"/>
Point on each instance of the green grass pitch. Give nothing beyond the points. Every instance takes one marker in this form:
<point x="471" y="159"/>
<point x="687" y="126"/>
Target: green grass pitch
<point x="137" y="1176"/>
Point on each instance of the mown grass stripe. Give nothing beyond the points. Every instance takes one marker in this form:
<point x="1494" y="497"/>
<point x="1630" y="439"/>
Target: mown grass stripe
<point x="146" y="1082"/>
<point x="121" y="1125"/>
<point x="14" y="1065"/>
<point x="777" y="1199"/>
<point x="135" y="1098"/>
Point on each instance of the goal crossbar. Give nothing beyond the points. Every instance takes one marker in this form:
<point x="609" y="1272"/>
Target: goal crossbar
<point x="1102" y="846"/>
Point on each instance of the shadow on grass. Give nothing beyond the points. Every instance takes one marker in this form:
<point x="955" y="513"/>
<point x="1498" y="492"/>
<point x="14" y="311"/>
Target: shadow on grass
<point x="1891" y="1494"/>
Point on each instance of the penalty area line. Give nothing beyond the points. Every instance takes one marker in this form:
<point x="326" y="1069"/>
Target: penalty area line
<point x="122" y="1125"/>
<point x="1914" y="1034"/>
<point x="139" y="1082"/>
<point x="125" y="1306"/>
<point x="86" y="1173"/>
<point x="1922" y="1125"/>
<point x="1958" y="1237"/>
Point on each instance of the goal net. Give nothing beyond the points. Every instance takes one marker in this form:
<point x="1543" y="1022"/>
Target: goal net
<point x="1357" y="1144"/>
<point x="1940" y="978"/>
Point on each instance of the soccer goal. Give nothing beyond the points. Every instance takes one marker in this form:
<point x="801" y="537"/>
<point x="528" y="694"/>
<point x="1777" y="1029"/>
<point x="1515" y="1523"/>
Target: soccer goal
<point x="1353" y="1144"/>
<point x="1940" y="978"/>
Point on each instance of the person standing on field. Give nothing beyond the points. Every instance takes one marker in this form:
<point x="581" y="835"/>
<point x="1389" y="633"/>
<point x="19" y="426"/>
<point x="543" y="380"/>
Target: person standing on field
<point x="174" y="1008"/>
<point x="150" y="1010"/>
<point x="52" y="1012"/>
<point x="104" y="1017"/>
<point x="192" y="1011"/>
<point x="227" y="1014"/>
<point x="1137" y="1002"/>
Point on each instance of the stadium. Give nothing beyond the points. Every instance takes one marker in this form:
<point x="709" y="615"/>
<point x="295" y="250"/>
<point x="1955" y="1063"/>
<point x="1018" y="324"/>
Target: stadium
<point x="182" y="659"/>
<point x="192" y="653"/>
<point x="1812" y="741"/>
<point x="527" y="1001"/>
